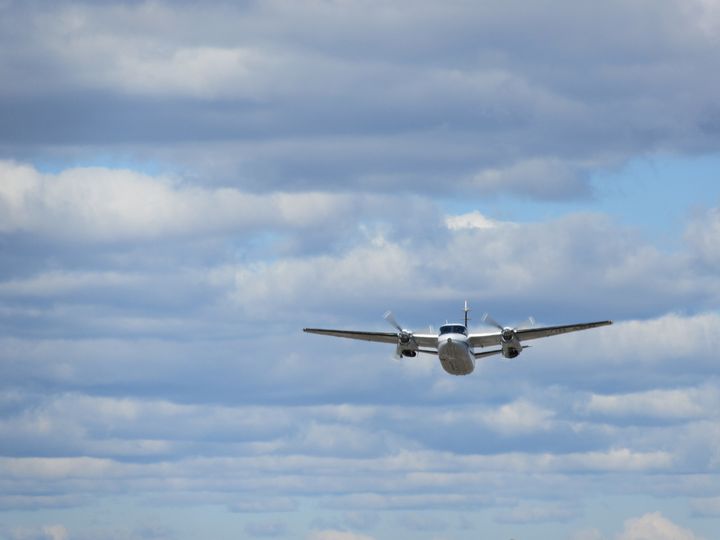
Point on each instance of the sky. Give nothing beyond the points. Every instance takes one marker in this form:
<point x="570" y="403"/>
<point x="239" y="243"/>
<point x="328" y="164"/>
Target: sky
<point x="184" y="186"/>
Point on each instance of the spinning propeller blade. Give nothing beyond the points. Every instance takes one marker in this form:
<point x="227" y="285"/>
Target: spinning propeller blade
<point x="389" y="317"/>
<point x="528" y="323"/>
<point x="492" y="322"/>
<point x="404" y="336"/>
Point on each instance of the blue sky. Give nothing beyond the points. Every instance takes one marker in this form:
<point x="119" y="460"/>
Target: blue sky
<point x="184" y="187"/>
<point x="643" y="194"/>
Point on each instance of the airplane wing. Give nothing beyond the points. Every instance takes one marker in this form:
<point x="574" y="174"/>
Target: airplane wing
<point x="382" y="337"/>
<point x="547" y="331"/>
<point x="495" y="338"/>
<point x="423" y="340"/>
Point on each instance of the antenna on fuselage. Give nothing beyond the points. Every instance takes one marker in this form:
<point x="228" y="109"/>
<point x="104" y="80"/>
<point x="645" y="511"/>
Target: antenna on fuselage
<point x="467" y="310"/>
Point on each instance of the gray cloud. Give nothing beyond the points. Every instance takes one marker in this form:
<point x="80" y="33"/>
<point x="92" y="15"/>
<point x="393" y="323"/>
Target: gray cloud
<point x="265" y="529"/>
<point x="320" y="96"/>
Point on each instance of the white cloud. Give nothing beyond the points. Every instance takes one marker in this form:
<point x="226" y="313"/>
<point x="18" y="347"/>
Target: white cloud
<point x="98" y="203"/>
<point x="702" y="235"/>
<point x="53" y="469"/>
<point x="666" y="338"/>
<point x="44" y="532"/>
<point x="651" y="526"/>
<point x="472" y="220"/>
<point x="617" y="459"/>
<point x="670" y="404"/>
<point x="654" y="526"/>
<point x="364" y="272"/>
<point x="519" y="417"/>
<point x="56" y="532"/>
<point x="567" y="263"/>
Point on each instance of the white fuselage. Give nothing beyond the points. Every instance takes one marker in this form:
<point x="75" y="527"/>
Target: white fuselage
<point x="455" y="353"/>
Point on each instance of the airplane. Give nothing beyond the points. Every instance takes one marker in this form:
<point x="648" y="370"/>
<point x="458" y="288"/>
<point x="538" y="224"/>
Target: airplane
<point x="453" y="344"/>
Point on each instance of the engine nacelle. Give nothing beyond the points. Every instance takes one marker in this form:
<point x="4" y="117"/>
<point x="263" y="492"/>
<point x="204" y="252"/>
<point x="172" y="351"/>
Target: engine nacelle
<point x="511" y="350"/>
<point x="406" y="347"/>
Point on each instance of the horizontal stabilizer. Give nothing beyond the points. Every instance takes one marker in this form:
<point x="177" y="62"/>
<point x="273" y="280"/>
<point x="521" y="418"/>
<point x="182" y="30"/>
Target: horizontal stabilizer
<point x="487" y="353"/>
<point x="490" y="353"/>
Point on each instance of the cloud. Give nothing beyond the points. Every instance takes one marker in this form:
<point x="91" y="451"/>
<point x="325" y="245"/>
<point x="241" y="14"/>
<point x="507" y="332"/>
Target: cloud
<point x="471" y="220"/>
<point x="706" y="507"/>
<point x="266" y="529"/>
<point x="659" y="341"/>
<point x="200" y="72"/>
<point x="587" y="534"/>
<point x="701" y="235"/>
<point x="361" y="520"/>
<point x="669" y="404"/>
<point x="654" y="526"/>
<point x="378" y="502"/>
<point x="534" y="178"/>
<point x="519" y="417"/>
<point x="254" y="505"/>
<point x="278" y="95"/>
<point x="331" y="534"/>
<point x="564" y="264"/>
<point x="44" y="532"/>
<point x="117" y="204"/>
<point x="422" y="522"/>
<point x="325" y="161"/>
<point x="534" y="513"/>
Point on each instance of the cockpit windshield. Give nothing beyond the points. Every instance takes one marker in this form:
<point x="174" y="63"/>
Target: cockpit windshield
<point x="453" y="329"/>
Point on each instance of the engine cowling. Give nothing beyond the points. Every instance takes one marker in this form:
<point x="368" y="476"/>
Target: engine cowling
<point x="511" y="350"/>
<point x="406" y="345"/>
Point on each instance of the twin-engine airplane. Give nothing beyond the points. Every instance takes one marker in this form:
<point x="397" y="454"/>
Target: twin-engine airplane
<point x="454" y="345"/>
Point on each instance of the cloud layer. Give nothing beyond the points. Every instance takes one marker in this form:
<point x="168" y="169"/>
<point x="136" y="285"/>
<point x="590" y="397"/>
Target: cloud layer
<point x="362" y="95"/>
<point x="126" y="353"/>
<point x="184" y="187"/>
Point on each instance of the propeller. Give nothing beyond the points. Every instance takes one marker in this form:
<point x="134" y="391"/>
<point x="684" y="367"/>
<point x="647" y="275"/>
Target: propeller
<point x="508" y="332"/>
<point x="389" y="317"/>
<point x="527" y="323"/>
<point x="486" y="318"/>
<point x="404" y="336"/>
